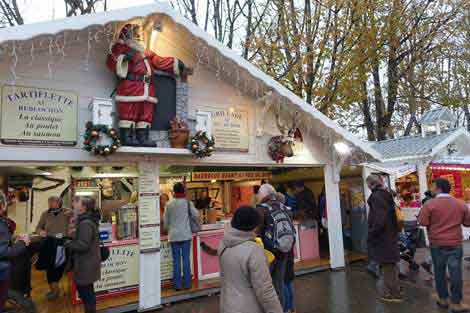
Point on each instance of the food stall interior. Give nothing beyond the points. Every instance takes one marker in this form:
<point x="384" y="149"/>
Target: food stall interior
<point x="216" y="192"/>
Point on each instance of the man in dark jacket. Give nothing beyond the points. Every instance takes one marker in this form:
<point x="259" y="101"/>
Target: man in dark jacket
<point x="307" y="209"/>
<point x="383" y="237"/>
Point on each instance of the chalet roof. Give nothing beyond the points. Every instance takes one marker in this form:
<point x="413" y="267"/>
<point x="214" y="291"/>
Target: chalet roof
<point x="414" y="147"/>
<point x="436" y="115"/>
<point x="314" y="117"/>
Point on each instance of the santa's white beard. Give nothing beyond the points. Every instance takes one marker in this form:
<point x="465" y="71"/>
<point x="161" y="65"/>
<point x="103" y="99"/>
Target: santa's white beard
<point x="136" y="45"/>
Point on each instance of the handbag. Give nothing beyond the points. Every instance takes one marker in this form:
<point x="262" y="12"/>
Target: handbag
<point x="104" y="252"/>
<point x="194" y="222"/>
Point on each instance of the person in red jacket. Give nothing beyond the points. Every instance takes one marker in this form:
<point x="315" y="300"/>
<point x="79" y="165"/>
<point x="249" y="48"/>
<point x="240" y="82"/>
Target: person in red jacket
<point x="135" y="66"/>
<point x="443" y="216"/>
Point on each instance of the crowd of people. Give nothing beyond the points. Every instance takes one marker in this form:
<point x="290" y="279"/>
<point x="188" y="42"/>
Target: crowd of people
<point x="67" y="243"/>
<point x="256" y="254"/>
<point x="443" y="216"/>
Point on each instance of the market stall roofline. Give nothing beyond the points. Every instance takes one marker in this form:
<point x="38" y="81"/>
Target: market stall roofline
<point x="433" y="151"/>
<point x="30" y="31"/>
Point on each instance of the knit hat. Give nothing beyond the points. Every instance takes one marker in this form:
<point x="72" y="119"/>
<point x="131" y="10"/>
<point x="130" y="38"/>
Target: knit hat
<point x="246" y="218"/>
<point x="264" y="191"/>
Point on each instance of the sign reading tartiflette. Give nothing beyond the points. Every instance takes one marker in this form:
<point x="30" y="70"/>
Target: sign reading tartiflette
<point x="38" y="116"/>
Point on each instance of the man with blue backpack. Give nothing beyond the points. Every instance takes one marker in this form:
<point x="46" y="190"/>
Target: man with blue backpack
<point x="277" y="232"/>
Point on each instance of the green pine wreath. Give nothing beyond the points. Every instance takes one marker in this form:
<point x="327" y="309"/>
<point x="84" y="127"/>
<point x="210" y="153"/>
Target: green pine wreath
<point x="201" y="145"/>
<point x="92" y="135"/>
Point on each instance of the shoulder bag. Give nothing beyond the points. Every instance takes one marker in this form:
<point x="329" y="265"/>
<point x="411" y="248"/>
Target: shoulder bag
<point x="194" y="223"/>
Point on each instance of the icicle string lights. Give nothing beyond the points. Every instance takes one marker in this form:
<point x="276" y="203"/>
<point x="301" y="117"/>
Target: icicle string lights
<point x="14" y="57"/>
<point x="56" y="45"/>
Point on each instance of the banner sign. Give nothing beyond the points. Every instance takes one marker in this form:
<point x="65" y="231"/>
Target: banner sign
<point x="38" y="116"/>
<point x="207" y="176"/>
<point x="120" y="270"/>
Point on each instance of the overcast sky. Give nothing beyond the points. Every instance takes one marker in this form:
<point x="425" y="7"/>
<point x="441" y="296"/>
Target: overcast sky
<point x="44" y="10"/>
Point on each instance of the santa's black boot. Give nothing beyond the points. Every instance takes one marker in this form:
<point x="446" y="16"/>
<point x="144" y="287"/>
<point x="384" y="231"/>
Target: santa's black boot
<point x="126" y="135"/>
<point x="143" y="137"/>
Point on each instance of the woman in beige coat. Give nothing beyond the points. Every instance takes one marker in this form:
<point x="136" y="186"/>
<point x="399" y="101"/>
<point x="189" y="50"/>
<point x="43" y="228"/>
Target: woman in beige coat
<point x="246" y="281"/>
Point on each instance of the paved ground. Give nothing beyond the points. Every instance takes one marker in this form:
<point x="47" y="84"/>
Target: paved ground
<point x="349" y="291"/>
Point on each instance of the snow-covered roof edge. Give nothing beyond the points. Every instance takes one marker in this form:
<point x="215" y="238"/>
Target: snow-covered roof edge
<point x="434" y="151"/>
<point x="29" y="31"/>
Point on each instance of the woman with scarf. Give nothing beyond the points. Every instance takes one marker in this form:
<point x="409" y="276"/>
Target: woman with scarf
<point x="7" y="249"/>
<point x="85" y="248"/>
<point x="176" y="220"/>
<point x="53" y="226"/>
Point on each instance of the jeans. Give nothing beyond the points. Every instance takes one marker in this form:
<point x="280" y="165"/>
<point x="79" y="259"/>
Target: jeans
<point x="181" y="250"/>
<point x="288" y="297"/>
<point x="88" y="296"/>
<point x="390" y="280"/>
<point x="278" y="274"/>
<point x="448" y="258"/>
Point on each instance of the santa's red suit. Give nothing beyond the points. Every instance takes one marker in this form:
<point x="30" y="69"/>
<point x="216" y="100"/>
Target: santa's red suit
<point x="135" y="92"/>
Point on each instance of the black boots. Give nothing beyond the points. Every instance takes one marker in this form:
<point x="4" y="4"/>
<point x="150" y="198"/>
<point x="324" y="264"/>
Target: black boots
<point x="139" y="137"/>
<point x="127" y="137"/>
<point x="143" y="137"/>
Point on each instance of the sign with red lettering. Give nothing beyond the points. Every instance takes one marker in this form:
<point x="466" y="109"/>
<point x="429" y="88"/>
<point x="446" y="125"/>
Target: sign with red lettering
<point x="208" y="176"/>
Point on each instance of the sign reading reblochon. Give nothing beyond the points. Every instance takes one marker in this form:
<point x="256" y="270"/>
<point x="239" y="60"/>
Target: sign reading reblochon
<point x="38" y="116"/>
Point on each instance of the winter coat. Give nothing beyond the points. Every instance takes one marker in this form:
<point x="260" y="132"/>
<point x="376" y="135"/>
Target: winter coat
<point x="383" y="228"/>
<point x="53" y="223"/>
<point x="8" y="250"/>
<point x="86" y="250"/>
<point x="246" y="281"/>
<point x="176" y="219"/>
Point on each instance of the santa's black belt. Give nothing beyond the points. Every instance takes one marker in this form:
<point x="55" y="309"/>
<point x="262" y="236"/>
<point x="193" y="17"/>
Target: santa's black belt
<point x="139" y="78"/>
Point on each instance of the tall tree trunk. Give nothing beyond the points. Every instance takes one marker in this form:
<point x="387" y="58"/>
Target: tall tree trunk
<point x="249" y="28"/>
<point x="366" y="112"/>
<point x="379" y="102"/>
<point x="466" y="111"/>
<point x="412" y="103"/>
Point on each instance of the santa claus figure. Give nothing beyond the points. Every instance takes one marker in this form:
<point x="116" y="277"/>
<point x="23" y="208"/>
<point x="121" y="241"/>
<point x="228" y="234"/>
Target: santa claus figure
<point x="135" y="93"/>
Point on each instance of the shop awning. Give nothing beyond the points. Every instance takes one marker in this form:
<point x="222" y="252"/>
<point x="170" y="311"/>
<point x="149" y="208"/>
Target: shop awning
<point x="198" y="41"/>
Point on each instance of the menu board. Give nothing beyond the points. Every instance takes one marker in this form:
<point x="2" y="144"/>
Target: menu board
<point x="38" y="116"/>
<point x="149" y="211"/>
<point x="149" y="238"/>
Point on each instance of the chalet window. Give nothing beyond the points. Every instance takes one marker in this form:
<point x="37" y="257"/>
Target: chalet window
<point x="165" y="109"/>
